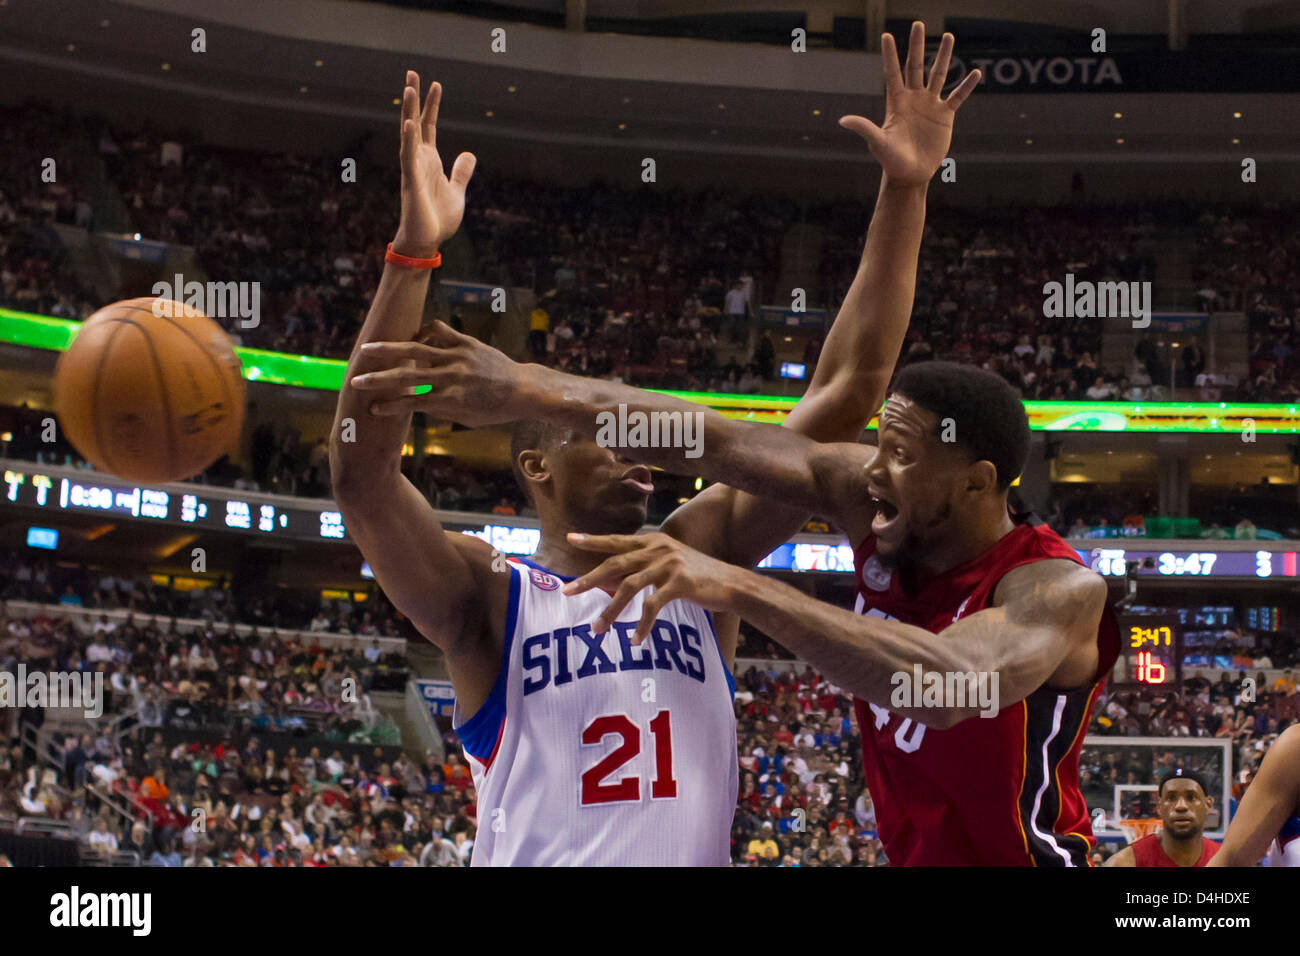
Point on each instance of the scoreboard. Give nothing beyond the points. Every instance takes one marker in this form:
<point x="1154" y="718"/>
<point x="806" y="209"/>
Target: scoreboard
<point x="52" y="489"/>
<point x="79" y="492"/>
<point x="1150" y="651"/>
<point x="1206" y="563"/>
<point x="56" y="489"/>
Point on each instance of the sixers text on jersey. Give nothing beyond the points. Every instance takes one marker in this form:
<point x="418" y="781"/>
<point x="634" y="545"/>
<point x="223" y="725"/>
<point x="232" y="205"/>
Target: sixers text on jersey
<point x="592" y="751"/>
<point x="546" y="655"/>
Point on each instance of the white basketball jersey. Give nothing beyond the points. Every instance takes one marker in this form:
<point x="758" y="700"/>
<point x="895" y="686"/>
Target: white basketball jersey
<point x="1285" y="850"/>
<point x="592" y="751"/>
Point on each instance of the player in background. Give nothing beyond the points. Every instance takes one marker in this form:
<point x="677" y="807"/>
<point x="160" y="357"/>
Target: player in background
<point x="518" y="649"/>
<point x="1268" y="817"/>
<point x="1182" y="807"/>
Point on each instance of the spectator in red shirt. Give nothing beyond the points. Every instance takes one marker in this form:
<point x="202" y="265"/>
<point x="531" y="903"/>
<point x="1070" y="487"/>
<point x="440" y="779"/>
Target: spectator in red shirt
<point x="842" y="821"/>
<point x="455" y="773"/>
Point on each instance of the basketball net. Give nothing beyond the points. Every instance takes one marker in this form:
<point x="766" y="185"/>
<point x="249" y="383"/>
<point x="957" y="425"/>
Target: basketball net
<point x="1137" y="828"/>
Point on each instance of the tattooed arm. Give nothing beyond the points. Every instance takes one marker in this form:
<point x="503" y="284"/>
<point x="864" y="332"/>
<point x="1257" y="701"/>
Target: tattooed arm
<point x="1041" y="629"/>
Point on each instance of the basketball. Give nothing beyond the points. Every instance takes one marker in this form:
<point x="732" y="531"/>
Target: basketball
<point x="150" y="397"/>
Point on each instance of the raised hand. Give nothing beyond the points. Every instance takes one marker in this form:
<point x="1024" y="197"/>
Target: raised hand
<point x="918" y="123"/>
<point x="638" y="561"/>
<point x="432" y="203"/>
<point x="469" y="381"/>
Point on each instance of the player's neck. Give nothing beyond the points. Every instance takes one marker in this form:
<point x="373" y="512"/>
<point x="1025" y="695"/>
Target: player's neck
<point x="980" y="535"/>
<point x="1184" y="851"/>
<point x="556" y="554"/>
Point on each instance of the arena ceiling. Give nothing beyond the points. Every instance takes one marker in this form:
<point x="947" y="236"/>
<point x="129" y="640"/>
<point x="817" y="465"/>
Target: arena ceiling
<point x="108" y="55"/>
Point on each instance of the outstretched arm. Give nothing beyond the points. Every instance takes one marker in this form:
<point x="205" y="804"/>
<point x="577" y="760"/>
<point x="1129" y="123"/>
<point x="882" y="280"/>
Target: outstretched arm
<point x="393" y="524"/>
<point x="475" y="387"/>
<point x="1045" y="615"/>
<point x="1272" y="796"/>
<point x="474" y="384"/>
<point x="862" y="349"/>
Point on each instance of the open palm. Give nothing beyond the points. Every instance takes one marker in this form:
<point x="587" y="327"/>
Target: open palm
<point x="432" y="203"/>
<point x="918" y="121"/>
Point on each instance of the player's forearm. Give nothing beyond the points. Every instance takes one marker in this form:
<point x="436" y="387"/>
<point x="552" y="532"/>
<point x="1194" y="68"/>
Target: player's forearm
<point x="860" y="654"/>
<point x="681" y="437"/>
<point x="1273" y="796"/>
<point x="1247" y="839"/>
<point x="862" y="348"/>
<point x="375" y="444"/>
<point x="1233" y="856"/>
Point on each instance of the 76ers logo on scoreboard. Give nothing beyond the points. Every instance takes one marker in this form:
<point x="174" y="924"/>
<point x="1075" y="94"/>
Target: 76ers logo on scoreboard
<point x="542" y="580"/>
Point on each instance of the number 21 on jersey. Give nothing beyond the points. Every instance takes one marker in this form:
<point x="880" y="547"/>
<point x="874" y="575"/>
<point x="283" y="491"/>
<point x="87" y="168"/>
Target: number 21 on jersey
<point x="628" y="789"/>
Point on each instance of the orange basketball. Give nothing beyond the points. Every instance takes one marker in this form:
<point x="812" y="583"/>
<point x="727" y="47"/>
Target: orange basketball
<point x="148" y="397"/>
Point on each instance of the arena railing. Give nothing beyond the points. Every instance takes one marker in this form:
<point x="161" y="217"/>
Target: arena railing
<point x="47" y="752"/>
<point x="768" y="665"/>
<point x="51" y="756"/>
<point x="44" y="826"/>
<point x="126" y="806"/>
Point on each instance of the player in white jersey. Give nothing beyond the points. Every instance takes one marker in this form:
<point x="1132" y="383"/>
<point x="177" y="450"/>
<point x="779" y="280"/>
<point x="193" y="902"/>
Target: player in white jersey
<point x="585" y="747"/>
<point x="604" y="752"/>
<point x="1268" y="818"/>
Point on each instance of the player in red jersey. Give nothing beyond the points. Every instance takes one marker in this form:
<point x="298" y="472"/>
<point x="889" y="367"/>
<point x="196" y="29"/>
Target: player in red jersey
<point x="963" y="609"/>
<point x="993" y="618"/>
<point x="1179" y="841"/>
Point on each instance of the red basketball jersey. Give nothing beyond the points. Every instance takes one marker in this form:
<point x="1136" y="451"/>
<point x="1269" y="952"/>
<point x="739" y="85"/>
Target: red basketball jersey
<point x="991" y="791"/>
<point x="1148" y="852"/>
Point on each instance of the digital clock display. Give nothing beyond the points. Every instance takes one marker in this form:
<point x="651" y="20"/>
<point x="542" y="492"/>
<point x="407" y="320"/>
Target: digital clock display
<point x="76" y="491"/>
<point x="1150" y="651"/>
<point x="1198" y="562"/>
<point x="1139" y="636"/>
<point x="1113" y="563"/>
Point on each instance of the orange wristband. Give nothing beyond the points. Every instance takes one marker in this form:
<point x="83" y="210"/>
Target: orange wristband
<point x="412" y="263"/>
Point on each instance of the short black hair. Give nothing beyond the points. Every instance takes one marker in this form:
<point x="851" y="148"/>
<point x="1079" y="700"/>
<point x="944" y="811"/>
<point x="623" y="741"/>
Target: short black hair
<point x="989" y="421"/>
<point x="1179" y="773"/>
<point x="529" y="434"/>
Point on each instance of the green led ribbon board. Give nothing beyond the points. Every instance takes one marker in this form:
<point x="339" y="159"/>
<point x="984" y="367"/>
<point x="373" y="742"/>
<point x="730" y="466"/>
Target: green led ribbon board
<point x="305" y="371"/>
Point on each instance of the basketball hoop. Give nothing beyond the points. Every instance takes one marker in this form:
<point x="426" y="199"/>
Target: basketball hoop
<point x="1137" y="828"/>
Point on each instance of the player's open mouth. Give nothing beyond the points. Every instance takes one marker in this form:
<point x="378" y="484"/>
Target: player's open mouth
<point x="886" y="515"/>
<point x="640" y="479"/>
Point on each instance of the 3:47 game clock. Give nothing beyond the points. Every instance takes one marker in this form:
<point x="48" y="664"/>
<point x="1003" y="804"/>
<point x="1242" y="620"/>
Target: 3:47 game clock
<point x="1150" y="652"/>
